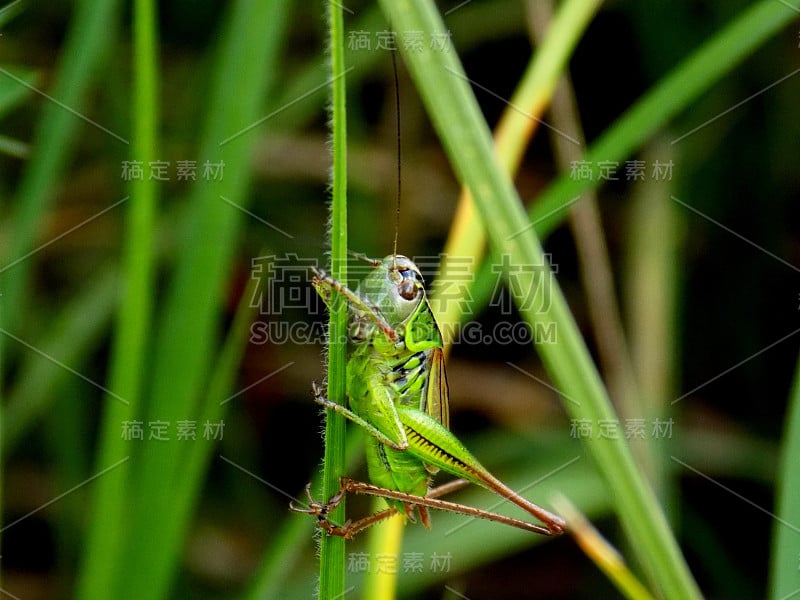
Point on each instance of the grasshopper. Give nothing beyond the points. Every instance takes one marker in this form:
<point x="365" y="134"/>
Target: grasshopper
<point x="397" y="391"/>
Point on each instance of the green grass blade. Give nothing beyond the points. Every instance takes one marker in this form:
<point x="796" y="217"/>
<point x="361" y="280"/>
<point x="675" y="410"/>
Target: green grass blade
<point x="66" y="427"/>
<point x="89" y="39"/>
<point x="467" y="140"/>
<point x="245" y="67"/>
<point x="332" y="559"/>
<point x="652" y="280"/>
<point x="72" y="335"/>
<point x="105" y="537"/>
<point x="474" y="543"/>
<point x="9" y="11"/>
<point x="12" y="92"/>
<point x="14" y="148"/>
<point x="476" y="23"/>
<point x="674" y="93"/>
<point x="288" y="545"/>
<point x="512" y="134"/>
<point x="785" y="575"/>
<point x="213" y="410"/>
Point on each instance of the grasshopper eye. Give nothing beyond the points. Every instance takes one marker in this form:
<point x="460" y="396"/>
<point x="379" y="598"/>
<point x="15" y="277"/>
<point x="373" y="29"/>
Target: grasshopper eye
<point x="408" y="289"/>
<point x="409" y="286"/>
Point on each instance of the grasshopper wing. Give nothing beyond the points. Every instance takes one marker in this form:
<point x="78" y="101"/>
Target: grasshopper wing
<point x="437" y="393"/>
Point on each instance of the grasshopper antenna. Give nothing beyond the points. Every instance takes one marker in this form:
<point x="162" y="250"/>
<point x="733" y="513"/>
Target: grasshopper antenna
<point x="399" y="156"/>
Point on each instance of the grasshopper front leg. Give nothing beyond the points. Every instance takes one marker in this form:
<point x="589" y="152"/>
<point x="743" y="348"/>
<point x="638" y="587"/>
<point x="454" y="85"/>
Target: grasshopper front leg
<point x="399" y="443"/>
<point x="325" y="285"/>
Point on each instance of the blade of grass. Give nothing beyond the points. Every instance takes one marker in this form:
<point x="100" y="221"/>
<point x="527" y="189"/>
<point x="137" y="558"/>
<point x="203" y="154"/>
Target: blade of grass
<point x="71" y="336"/>
<point x="67" y="426"/>
<point x="464" y="545"/>
<point x="512" y="135"/>
<point x="601" y="552"/>
<point x="90" y="36"/>
<point x="8" y="12"/>
<point x="456" y="116"/>
<point x="287" y="546"/>
<point x="105" y="537"/>
<point x="595" y="265"/>
<point x="14" y="148"/>
<point x="213" y="410"/>
<point x="784" y="574"/>
<point x="652" y="282"/>
<point x="332" y="563"/>
<point x="12" y="92"/>
<point x="385" y="539"/>
<point x="475" y="22"/>
<point x="674" y="92"/>
<point x="594" y="262"/>
<point x="244" y="70"/>
<point x="737" y="454"/>
<point x="517" y="125"/>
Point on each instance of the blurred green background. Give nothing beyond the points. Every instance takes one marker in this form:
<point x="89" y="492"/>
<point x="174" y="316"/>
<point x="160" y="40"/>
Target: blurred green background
<point x="133" y="300"/>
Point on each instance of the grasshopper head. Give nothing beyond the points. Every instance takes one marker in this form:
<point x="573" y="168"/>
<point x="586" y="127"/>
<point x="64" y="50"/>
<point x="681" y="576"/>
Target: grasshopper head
<point x="396" y="287"/>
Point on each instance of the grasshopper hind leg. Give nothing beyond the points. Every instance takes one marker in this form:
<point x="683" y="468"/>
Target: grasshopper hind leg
<point x="349" y="529"/>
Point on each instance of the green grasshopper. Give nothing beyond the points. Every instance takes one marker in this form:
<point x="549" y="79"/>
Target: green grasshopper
<point x="397" y="391"/>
